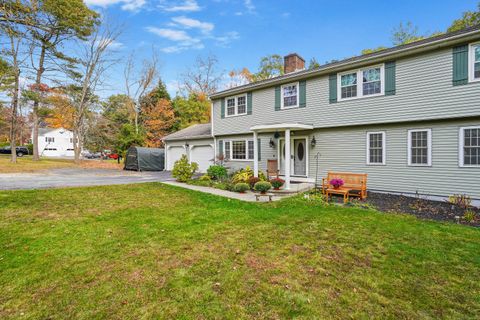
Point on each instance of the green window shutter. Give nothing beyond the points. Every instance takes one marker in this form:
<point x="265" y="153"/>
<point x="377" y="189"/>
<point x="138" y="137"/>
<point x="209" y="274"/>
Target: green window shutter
<point x="249" y="103"/>
<point x="223" y="108"/>
<point x="390" y="75"/>
<point x="220" y="147"/>
<point x="277" y="98"/>
<point x="259" y="147"/>
<point x="460" y="65"/>
<point x="332" y="79"/>
<point x="303" y="94"/>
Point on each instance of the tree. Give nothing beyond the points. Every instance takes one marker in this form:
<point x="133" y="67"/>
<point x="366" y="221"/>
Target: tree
<point x="192" y="110"/>
<point x="404" y="34"/>
<point x="368" y="51"/>
<point x="468" y="19"/>
<point x="157" y="115"/>
<point x="93" y="63"/>
<point x="11" y="13"/>
<point x="61" y="111"/>
<point x="128" y="137"/>
<point x="270" y="66"/>
<point x="313" y="64"/>
<point x="137" y="85"/>
<point x="239" y="77"/>
<point x="54" y="21"/>
<point x="203" y="76"/>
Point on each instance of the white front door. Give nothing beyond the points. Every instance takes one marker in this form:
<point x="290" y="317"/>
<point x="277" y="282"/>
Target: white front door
<point x="298" y="156"/>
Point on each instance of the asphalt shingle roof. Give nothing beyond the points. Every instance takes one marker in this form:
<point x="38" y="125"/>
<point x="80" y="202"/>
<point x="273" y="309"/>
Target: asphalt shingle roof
<point x="196" y="131"/>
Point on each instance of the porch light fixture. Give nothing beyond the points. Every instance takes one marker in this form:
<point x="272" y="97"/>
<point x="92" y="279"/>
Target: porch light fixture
<point x="276" y="135"/>
<point x="313" y="142"/>
<point x="272" y="143"/>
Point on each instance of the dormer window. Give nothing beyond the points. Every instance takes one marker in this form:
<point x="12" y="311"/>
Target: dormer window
<point x="474" y="65"/>
<point x="236" y="106"/>
<point x="290" y="96"/>
<point x="366" y="82"/>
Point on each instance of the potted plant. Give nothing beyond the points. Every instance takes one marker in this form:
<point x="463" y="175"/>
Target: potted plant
<point x="337" y="183"/>
<point x="277" y="183"/>
<point x="262" y="186"/>
<point x="241" y="187"/>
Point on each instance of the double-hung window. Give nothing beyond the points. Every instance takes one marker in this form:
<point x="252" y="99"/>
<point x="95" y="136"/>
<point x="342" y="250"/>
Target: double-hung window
<point x="469" y="146"/>
<point x="474" y="62"/>
<point x="361" y="83"/>
<point x="236" y="106"/>
<point x="239" y="150"/>
<point x="290" y="96"/>
<point x="376" y="148"/>
<point x="420" y="147"/>
<point x="49" y="139"/>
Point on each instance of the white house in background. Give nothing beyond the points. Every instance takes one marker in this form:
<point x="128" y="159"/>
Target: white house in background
<point x="55" y="142"/>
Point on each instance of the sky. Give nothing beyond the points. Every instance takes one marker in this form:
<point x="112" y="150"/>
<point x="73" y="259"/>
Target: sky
<point x="240" y="32"/>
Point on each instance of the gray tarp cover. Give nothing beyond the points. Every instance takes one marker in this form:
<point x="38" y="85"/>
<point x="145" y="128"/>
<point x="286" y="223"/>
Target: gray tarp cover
<point x="145" y="159"/>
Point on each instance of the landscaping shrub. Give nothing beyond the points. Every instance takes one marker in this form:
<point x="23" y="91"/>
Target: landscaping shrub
<point x="277" y="183"/>
<point x="241" y="187"/>
<point x="252" y="181"/>
<point x="183" y="170"/>
<point x="217" y="172"/>
<point x="242" y="175"/>
<point x="469" y="216"/>
<point x="461" y="200"/>
<point x="224" y="186"/>
<point x="205" y="177"/>
<point x="262" y="186"/>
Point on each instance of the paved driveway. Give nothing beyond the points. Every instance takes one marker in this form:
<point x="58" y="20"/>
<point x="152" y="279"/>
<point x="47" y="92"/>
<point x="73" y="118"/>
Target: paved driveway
<point x="73" y="177"/>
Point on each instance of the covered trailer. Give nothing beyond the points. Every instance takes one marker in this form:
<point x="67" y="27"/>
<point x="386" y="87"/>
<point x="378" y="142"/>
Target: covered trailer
<point x="145" y="159"/>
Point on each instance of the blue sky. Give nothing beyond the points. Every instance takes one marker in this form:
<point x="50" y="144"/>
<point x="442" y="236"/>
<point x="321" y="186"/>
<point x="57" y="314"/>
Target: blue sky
<point x="240" y="32"/>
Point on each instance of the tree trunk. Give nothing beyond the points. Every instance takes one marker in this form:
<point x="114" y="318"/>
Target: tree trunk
<point x="36" y="103"/>
<point x="76" y="145"/>
<point x="13" y="121"/>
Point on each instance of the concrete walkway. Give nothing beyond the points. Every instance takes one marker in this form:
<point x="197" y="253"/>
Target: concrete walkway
<point x="248" y="196"/>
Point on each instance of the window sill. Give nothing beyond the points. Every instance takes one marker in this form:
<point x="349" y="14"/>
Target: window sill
<point x="362" y="97"/>
<point x="469" y="166"/>
<point x="419" y="165"/>
<point x="239" y="160"/>
<point x="236" y="115"/>
<point x="376" y="164"/>
<point x="288" y="108"/>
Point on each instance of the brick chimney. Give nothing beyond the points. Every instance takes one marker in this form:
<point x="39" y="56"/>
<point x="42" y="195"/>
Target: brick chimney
<point x="293" y="62"/>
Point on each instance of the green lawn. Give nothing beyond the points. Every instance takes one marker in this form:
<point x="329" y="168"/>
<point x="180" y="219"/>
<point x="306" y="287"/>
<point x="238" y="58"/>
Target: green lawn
<point x="155" y="251"/>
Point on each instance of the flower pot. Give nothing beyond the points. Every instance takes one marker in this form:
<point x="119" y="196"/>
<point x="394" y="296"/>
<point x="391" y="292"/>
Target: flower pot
<point x="276" y="189"/>
<point x="263" y="192"/>
<point x="336" y="187"/>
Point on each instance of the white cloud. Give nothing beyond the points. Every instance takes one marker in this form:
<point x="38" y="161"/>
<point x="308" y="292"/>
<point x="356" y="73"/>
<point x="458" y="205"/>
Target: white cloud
<point x="249" y="6"/>
<point x="183" y="40"/>
<point x="185" y="6"/>
<point x="130" y="5"/>
<point x="225" y="40"/>
<point x="188" y="23"/>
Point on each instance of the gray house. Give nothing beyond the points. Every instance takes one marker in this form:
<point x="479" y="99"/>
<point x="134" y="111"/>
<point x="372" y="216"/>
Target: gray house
<point x="408" y="116"/>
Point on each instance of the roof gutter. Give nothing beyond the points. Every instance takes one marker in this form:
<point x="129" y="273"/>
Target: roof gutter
<point x="337" y="67"/>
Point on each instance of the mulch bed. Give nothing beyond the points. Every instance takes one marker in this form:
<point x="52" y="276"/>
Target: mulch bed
<point x="421" y="208"/>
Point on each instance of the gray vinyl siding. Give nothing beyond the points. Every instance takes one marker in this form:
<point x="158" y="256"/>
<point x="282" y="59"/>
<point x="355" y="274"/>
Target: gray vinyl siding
<point x="344" y="149"/>
<point x="424" y="91"/>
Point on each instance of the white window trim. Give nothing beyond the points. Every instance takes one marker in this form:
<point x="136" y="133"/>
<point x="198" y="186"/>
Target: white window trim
<point x="236" y="114"/>
<point x="471" y="62"/>
<point x="230" y="156"/>
<point x="461" y="140"/>
<point x="297" y="84"/>
<point x="384" y="149"/>
<point x="360" y="83"/>
<point x="429" y="146"/>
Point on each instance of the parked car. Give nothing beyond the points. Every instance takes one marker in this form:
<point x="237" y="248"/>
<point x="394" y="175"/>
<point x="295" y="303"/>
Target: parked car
<point x="21" y="151"/>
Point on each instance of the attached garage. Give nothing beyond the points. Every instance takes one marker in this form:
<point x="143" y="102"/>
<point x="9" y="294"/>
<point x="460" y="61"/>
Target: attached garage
<point x="195" y="142"/>
<point x="203" y="155"/>
<point x="174" y="153"/>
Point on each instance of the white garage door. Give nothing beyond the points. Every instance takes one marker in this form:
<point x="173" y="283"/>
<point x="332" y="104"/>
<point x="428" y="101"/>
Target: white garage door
<point x="203" y="155"/>
<point x="174" y="154"/>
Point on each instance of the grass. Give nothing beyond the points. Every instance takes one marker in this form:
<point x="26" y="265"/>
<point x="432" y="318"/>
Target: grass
<point x="155" y="251"/>
<point x="26" y="164"/>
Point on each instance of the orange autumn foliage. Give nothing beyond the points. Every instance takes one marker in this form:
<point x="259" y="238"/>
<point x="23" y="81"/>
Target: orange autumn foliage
<point x="158" y="119"/>
<point x="61" y="115"/>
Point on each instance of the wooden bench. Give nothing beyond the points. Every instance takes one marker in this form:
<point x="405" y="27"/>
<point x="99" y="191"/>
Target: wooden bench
<point x="259" y="195"/>
<point x="355" y="184"/>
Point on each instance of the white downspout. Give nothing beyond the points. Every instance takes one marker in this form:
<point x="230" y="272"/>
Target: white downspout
<point x="255" y="154"/>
